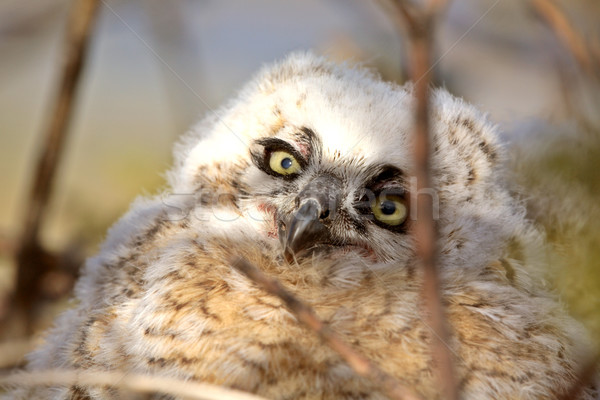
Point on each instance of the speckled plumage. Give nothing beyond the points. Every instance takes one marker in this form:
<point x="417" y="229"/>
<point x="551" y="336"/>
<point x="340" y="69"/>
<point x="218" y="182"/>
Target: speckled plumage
<point x="160" y="297"/>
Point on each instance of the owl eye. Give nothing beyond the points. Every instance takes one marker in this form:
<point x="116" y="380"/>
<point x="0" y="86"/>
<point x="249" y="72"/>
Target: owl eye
<point x="390" y="210"/>
<point x="283" y="163"/>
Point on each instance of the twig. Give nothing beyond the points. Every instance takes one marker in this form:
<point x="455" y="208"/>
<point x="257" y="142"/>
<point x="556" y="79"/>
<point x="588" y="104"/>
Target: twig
<point x="420" y="25"/>
<point x="31" y="256"/>
<point x="306" y="315"/>
<point x="132" y="382"/>
<point x="563" y="28"/>
<point x="78" y="32"/>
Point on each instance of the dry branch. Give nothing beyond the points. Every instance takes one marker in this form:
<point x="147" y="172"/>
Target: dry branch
<point x="306" y="315"/>
<point x="420" y="24"/>
<point x="563" y="28"/>
<point x="33" y="261"/>
<point x="130" y="382"/>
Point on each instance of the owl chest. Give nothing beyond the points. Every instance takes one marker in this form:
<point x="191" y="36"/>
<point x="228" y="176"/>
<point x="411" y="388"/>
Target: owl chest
<point x="226" y="331"/>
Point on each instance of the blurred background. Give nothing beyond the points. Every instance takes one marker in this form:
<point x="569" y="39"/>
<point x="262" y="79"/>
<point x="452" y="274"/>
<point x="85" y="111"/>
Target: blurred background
<point x="154" y="67"/>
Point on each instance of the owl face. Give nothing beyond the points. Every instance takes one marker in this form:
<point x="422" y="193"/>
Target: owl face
<point x="322" y="201"/>
<point x="323" y="154"/>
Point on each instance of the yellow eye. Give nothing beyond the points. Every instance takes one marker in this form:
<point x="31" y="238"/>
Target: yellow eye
<point x="390" y="210"/>
<point x="283" y="163"/>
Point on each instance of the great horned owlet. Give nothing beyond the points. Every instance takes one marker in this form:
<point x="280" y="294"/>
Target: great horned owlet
<point x="308" y="174"/>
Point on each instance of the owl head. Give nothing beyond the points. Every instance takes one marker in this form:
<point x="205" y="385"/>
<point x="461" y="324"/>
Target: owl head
<point x="317" y="158"/>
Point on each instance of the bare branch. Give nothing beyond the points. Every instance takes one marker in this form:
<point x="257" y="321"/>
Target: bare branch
<point x="75" y="49"/>
<point x="419" y="24"/>
<point x="33" y="260"/>
<point x="306" y="315"/>
<point x="564" y="30"/>
<point x="131" y="382"/>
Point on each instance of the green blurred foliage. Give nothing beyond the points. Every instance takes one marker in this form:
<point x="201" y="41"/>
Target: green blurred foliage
<point x="562" y="183"/>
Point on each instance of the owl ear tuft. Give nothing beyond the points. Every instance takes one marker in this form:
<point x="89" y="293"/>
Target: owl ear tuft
<point x="469" y="128"/>
<point x="464" y="137"/>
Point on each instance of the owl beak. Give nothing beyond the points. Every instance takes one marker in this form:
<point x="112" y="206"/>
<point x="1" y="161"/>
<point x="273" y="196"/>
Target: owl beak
<point x="307" y="228"/>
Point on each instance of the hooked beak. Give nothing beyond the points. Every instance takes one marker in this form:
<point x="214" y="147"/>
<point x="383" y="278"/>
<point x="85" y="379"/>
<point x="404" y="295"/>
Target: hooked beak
<point x="308" y="225"/>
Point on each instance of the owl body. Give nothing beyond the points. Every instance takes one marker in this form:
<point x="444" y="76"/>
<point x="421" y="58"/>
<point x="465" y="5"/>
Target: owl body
<point x="331" y="144"/>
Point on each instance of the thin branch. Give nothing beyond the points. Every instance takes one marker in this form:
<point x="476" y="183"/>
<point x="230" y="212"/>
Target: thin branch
<point x="131" y="382"/>
<point x="31" y="256"/>
<point x="306" y="315"/>
<point x="80" y="24"/>
<point x="420" y="24"/>
<point x="563" y="28"/>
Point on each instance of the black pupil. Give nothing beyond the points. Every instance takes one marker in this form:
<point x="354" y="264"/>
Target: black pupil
<point x="286" y="163"/>
<point x="388" y="207"/>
